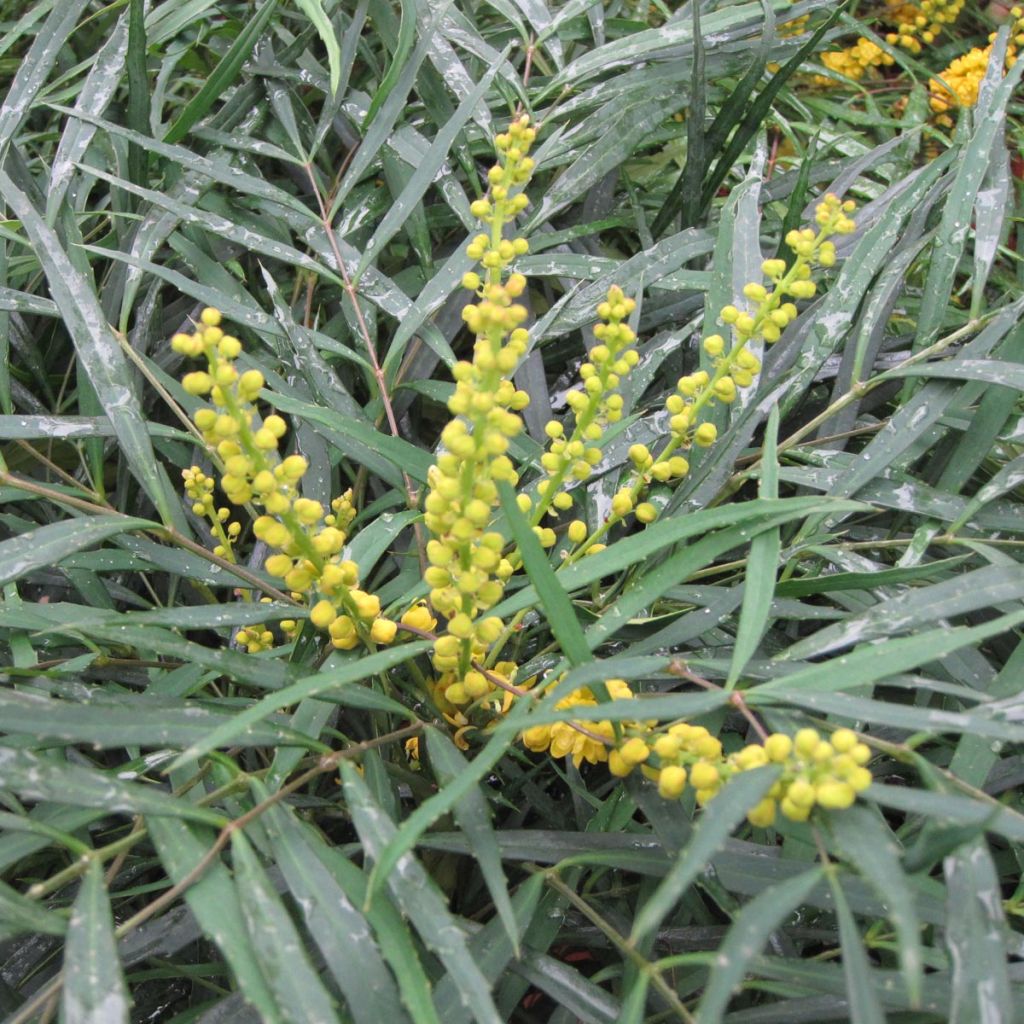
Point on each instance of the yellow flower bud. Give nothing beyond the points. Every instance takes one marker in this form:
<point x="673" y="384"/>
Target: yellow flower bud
<point x="622" y="503"/>
<point x="646" y="512"/>
<point x="714" y="345"/>
<point x="705" y="435"/>
<point x="671" y="782"/>
<point x="778" y="747"/>
<point x="322" y="614"/>
<point x="844" y="740"/>
<point x="704" y="776"/>
<point x="577" y="532"/>
<point x="763" y="814"/>
<point x="383" y="631"/>
<point x="278" y="565"/>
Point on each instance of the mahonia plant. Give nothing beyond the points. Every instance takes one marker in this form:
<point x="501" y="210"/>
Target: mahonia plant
<point x="469" y="559"/>
<point x="306" y="540"/>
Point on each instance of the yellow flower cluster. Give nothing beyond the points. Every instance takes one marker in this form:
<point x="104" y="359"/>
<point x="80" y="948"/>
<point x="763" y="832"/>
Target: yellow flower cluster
<point x="920" y="23"/>
<point x="815" y="771"/>
<point x="582" y="741"/>
<point x="733" y="365"/>
<point x="467" y="566"/>
<point x="854" y="61"/>
<point x="594" y="405"/>
<point x="199" y="487"/>
<point x="306" y="540"/>
<point x="959" y="83"/>
<point x="795" y="26"/>
<point x="912" y="26"/>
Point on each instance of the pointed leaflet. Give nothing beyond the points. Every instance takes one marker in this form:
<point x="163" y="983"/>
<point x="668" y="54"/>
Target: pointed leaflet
<point x="282" y="958"/>
<point x="420" y="899"/>
<point x="474" y="818"/>
<point x="865" y="1007"/>
<point x="94" y="988"/>
<point x="976" y="935"/>
<point x="214" y="901"/>
<point x="46" y="546"/>
<point x="337" y="927"/>
<point x="870" y="847"/>
<point x="749" y="932"/>
<point x="35" y="67"/>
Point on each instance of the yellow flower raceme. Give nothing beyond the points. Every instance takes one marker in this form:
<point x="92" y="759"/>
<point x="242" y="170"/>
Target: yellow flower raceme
<point x="734" y="366"/>
<point x="199" y="487"/>
<point x="594" y="405"/>
<point x="307" y="541"/>
<point x="467" y="566"/>
<point x="913" y="26"/>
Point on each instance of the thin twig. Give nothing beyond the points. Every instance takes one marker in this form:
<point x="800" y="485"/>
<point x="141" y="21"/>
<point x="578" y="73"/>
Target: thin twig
<point x="735" y="698"/>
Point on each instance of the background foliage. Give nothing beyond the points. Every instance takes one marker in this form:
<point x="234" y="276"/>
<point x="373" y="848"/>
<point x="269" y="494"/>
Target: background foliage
<point x="172" y="845"/>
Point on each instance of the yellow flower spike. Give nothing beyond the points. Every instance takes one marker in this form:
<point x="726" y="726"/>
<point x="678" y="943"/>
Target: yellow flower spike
<point x="467" y="573"/>
<point x="593" y="407"/>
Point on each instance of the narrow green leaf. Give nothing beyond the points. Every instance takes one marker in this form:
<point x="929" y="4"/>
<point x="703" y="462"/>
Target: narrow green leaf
<point x="869" y="846"/>
<point x="976" y="935"/>
<point x="127" y="720"/>
<point x="426" y="170"/>
<point x="561" y="615"/>
<point x="94" y="988"/>
<point x="397" y="943"/>
<point x="214" y="900"/>
<point x="872" y="662"/>
<point x="865" y="1007"/>
<point x="21" y="916"/>
<point x="474" y="818"/>
<point x="419" y="898"/>
<point x="276" y="942"/>
<point x="34" y="777"/>
<point x="744" y="940"/>
<point x="762" y="563"/>
<point x="951" y="238"/>
<point x="35" y="67"/>
<point x="46" y="546"/>
<point x="320" y="684"/>
<point x="223" y="75"/>
<point x="335" y="924"/>
<point x="98" y="352"/>
<point x="754" y="515"/>
<point x="314" y="10"/>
